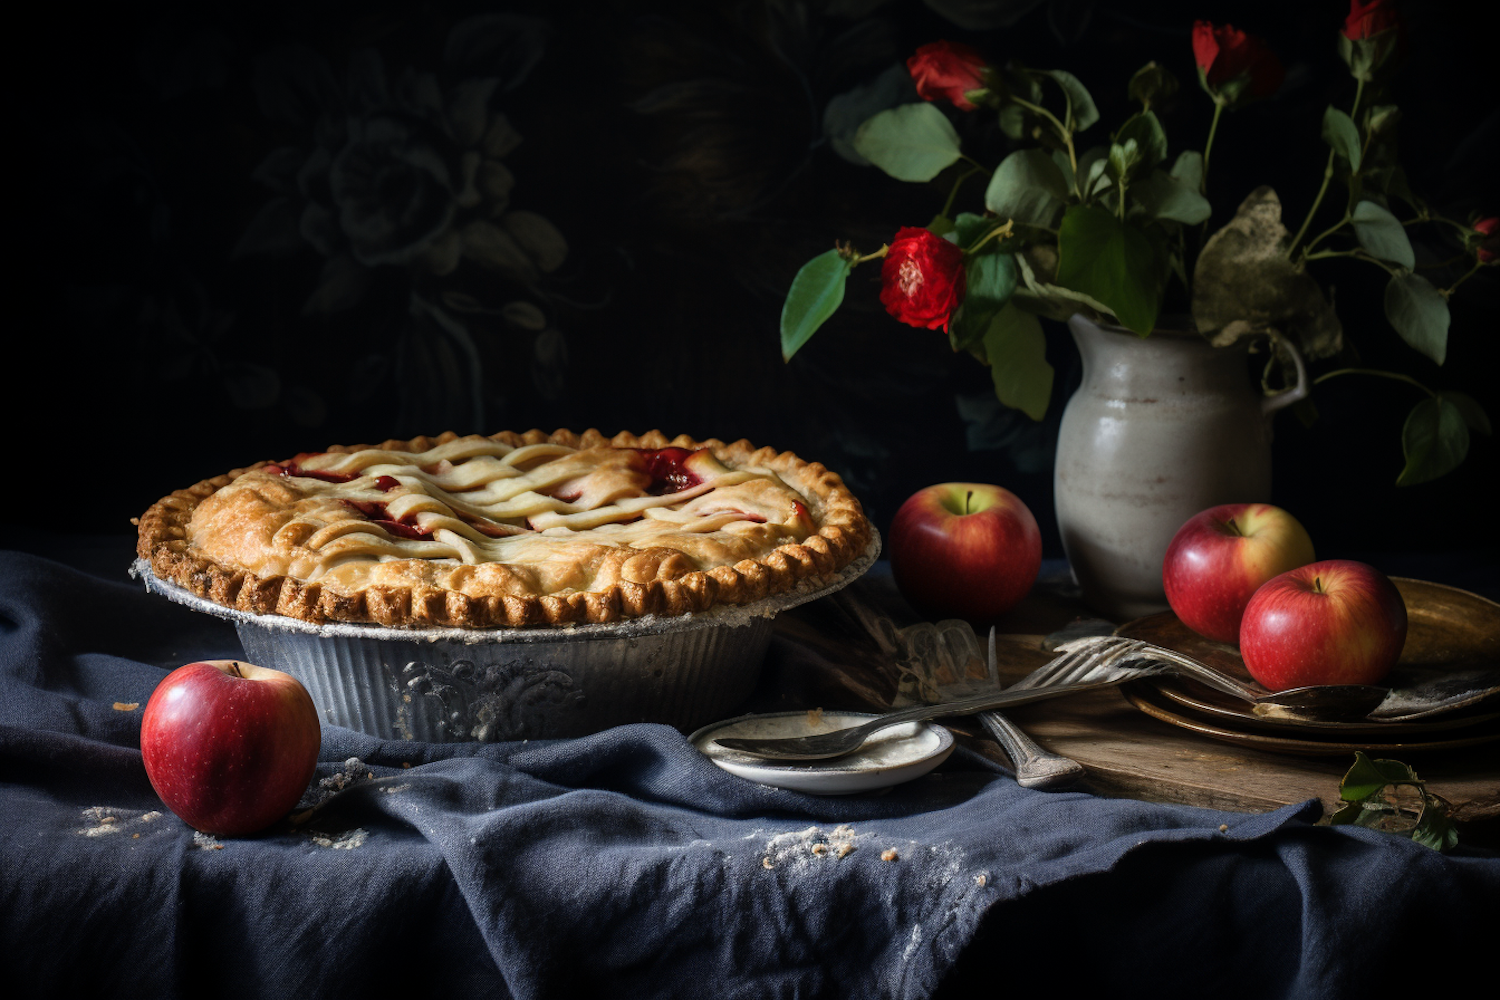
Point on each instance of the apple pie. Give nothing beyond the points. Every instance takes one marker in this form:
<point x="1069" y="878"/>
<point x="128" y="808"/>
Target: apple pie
<point x="511" y="530"/>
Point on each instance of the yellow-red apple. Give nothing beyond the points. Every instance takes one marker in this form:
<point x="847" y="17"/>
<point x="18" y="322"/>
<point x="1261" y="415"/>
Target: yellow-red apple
<point x="1221" y="556"/>
<point x="964" y="550"/>
<point x="1332" y="622"/>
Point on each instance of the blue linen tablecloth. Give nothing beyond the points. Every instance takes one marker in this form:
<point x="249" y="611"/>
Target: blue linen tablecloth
<point x="626" y="864"/>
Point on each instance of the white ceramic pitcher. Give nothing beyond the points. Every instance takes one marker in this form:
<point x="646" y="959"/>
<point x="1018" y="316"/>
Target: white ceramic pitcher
<point x="1161" y="428"/>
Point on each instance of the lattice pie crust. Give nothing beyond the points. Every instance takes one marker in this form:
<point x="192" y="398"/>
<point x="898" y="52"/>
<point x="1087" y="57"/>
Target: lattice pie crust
<point x="509" y="530"/>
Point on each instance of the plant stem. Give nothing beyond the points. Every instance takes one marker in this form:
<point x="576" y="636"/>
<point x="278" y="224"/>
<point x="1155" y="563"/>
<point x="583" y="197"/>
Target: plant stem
<point x="1307" y="251"/>
<point x="999" y="231"/>
<point x="1358" y="254"/>
<point x="1374" y="371"/>
<point x="1208" y="147"/>
<point x="958" y="183"/>
<point x="885" y="248"/>
<point x="1359" y="91"/>
<point x="1062" y="131"/>
<point x="1446" y="292"/>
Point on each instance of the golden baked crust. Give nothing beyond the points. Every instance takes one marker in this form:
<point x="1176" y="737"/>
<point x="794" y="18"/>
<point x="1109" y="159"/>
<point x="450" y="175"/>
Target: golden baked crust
<point x="510" y="530"/>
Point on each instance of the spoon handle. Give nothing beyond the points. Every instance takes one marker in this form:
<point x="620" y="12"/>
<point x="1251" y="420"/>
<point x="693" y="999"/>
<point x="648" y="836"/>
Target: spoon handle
<point x="1035" y="767"/>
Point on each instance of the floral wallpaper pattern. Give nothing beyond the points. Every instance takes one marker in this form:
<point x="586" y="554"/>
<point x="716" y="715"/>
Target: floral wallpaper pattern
<point x="400" y="178"/>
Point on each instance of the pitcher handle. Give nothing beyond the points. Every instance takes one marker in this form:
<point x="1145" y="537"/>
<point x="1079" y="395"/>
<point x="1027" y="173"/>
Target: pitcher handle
<point x="1287" y="397"/>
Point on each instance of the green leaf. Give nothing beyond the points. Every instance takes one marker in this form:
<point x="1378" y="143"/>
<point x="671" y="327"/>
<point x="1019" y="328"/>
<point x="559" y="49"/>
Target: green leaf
<point x="1473" y="414"/>
<point x="990" y="279"/>
<point x="1366" y="804"/>
<point x="1340" y="133"/>
<point x="1093" y="165"/>
<point x="1419" y="313"/>
<point x="1164" y="197"/>
<point x="1152" y="83"/>
<point x="1013" y="122"/>
<point x="1435" y="440"/>
<point x="1368" y="776"/>
<point x="1188" y="170"/>
<point x="912" y="142"/>
<point x="1113" y="262"/>
<point x="1435" y="830"/>
<point x="1044" y="299"/>
<point x="1381" y="233"/>
<point x="970" y="226"/>
<point x="1081" y="110"/>
<point x="1017" y="353"/>
<point x="1149" y="137"/>
<point x="1064" y="167"/>
<point x="1123" y="157"/>
<point x="1027" y="187"/>
<point x="816" y="294"/>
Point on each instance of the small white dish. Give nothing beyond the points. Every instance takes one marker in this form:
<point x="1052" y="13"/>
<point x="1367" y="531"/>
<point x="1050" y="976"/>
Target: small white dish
<point x="889" y="757"/>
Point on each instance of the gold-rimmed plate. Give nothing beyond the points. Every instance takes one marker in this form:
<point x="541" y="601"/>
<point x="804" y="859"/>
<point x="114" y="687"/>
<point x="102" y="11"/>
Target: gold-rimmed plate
<point x="1449" y="631"/>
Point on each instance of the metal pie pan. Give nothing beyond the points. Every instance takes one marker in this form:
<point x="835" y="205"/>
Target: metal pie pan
<point x="450" y="685"/>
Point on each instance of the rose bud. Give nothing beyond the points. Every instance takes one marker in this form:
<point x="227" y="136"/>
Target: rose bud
<point x="1234" y="67"/>
<point x="947" y="70"/>
<point x="922" y="280"/>
<point x="1371" y="34"/>
<point x="1368" y="18"/>
<point x="1488" y="249"/>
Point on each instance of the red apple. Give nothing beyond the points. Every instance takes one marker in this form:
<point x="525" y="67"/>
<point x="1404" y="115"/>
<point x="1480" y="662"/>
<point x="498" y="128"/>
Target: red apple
<point x="1220" y="557"/>
<point x="1333" y="622"/>
<point x="230" y="747"/>
<point x="964" y="550"/>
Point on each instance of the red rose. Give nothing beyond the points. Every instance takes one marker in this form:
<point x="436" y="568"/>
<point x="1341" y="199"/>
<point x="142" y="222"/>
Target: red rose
<point x="1368" y="18"/>
<point x="947" y="69"/>
<point x="1232" y="64"/>
<point x="922" y="280"/>
<point x="1489" y="248"/>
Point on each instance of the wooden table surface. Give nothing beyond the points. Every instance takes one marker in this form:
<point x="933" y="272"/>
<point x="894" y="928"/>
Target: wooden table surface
<point x="1130" y="754"/>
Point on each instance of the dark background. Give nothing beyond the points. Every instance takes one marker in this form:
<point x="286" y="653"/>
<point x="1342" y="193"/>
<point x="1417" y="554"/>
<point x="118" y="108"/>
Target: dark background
<point x="679" y="150"/>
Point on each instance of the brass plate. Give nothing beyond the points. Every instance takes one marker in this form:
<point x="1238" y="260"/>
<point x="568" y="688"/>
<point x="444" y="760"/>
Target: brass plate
<point x="1448" y="629"/>
<point x="1144" y="696"/>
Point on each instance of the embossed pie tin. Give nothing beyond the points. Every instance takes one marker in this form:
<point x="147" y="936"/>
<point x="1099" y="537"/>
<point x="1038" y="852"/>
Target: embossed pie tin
<point x="451" y="685"/>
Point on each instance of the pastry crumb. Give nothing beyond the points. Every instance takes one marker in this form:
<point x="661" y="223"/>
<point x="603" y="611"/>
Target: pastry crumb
<point x="127" y="706"/>
<point x="1223" y="827"/>
<point x="814" y="717"/>
<point x="980" y="880"/>
<point x="845" y="849"/>
<point x="206" y="841"/>
<point x="766" y="863"/>
<point x="820" y="848"/>
<point x="889" y="854"/>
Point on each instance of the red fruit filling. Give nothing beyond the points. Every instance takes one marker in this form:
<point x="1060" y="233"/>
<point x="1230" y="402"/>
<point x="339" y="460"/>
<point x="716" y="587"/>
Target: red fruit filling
<point x="377" y="514"/>
<point x="387" y="483"/>
<point x="667" y="471"/>
<point x="293" y="469"/>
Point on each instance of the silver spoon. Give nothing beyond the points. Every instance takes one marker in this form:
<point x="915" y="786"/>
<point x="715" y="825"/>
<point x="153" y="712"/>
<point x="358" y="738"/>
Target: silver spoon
<point x="1035" y="767"/>
<point x="1090" y="659"/>
<point x="1325" y="701"/>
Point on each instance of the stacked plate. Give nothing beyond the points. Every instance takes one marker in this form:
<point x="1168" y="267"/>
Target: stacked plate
<point x="1448" y="679"/>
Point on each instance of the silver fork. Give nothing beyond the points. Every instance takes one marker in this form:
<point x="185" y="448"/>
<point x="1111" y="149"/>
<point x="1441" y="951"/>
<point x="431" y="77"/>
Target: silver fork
<point x="1090" y="667"/>
<point x="1035" y="766"/>
<point x="1332" y="701"/>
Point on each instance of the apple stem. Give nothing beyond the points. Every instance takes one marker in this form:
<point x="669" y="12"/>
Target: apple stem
<point x="968" y="496"/>
<point x="1234" y="529"/>
<point x="1317" y="585"/>
<point x="234" y="668"/>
